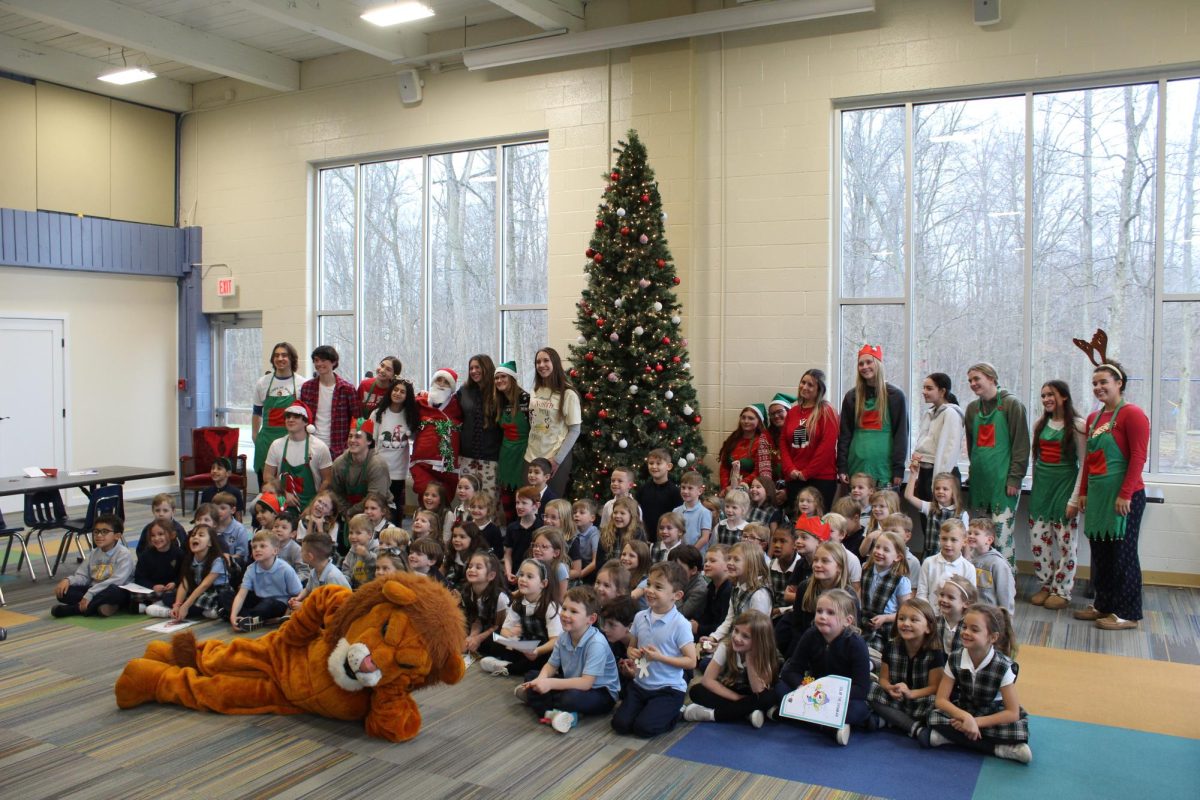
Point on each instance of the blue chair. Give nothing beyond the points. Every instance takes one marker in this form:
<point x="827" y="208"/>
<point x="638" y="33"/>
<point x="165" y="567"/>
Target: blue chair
<point x="44" y="511"/>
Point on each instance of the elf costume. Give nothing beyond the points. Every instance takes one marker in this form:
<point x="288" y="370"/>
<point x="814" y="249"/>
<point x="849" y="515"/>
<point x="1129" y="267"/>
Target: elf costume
<point x="998" y="447"/>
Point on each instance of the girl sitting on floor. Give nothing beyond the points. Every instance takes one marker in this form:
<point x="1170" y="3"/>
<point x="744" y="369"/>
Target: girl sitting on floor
<point x="751" y="590"/>
<point x="635" y="557"/>
<point x="532" y="617"/>
<point x="739" y="681"/>
<point x="484" y="601"/>
<point x="954" y="598"/>
<point x="910" y="673"/>
<point x="202" y="578"/>
<point x="985" y="714"/>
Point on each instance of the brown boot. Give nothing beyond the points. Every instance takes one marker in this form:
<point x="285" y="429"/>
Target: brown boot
<point x="1089" y="614"/>
<point x="1055" y="602"/>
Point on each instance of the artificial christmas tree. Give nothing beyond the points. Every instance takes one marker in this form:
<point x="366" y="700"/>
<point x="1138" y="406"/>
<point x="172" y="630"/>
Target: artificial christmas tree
<point x="630" y="362"/>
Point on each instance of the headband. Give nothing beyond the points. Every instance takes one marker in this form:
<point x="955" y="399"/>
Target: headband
<point x="541" y="567"/>
<point x="1098" y="346"/>
<point x="956" y="586"/>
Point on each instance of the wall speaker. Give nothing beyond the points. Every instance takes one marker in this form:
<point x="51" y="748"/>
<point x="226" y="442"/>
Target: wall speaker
<point x="987" y="12"/>
<point x="410" y="85"/>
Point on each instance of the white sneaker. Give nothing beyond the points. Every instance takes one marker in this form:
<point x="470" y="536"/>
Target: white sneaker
<point x="494" y="665"/>
<point x="698" y="713"/>
<point x="843" y="735"/>
<point x="157" y="610"/>
<point x="937" y="740"/>
<point x="563" y="721"/>
<point x="1014" y="752"/>
<point x="757" y="717"/>
<point x="520" y="692"/>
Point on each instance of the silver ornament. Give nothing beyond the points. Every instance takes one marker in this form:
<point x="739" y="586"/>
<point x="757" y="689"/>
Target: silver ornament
<point x="682" y="462"/>
<point x="639" y="330"/>
<point x="622" y="444"/>
<point x="691" y="457"/>
<point x="669" y="394"/>
<point x="687" y="409"/>
<point x="675" y="320"/>
<point x="658" y="306"/>
<point x="633" y="389"/>
<point x="620" y="212"/>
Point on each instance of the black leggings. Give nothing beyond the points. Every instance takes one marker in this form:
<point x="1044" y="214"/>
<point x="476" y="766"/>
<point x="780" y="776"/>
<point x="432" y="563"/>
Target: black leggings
<point x="397" y="489"/>
<point x="725" y="710"/>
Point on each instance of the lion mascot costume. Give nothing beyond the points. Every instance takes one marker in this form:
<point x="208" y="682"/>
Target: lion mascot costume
<point x="343" y="655"/>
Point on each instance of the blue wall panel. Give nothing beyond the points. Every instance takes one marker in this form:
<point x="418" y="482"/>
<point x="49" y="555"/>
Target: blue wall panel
<point x="90" y="244"/>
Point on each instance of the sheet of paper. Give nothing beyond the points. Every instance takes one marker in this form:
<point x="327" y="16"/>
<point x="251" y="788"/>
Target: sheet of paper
<point x="79" y="472"/>
<point x="34" y="472"/>
<point x="822" y="702"/>
<point x="170" y="625"/>
<point x="523" y="645"/>
<point x="136" y="588"/>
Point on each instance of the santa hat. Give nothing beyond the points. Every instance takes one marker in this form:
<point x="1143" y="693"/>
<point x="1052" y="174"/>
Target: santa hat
<point x="781" y="399"/>
<point x="366" y="425"/>
<point x="871" y="350"/>
<point x="269" y="500"/>
<point x="300" y="410"/>
<point x="507" y="368"/>
<point x="759" y="409"/>
<point x="448" y="374"/>
<point x="814" y="527"/>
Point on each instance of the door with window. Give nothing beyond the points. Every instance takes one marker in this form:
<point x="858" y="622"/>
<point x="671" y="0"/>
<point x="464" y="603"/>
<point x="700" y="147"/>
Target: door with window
<point x="238" y="362"/>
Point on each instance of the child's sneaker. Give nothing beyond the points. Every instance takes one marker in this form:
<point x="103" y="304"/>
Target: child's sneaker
<point x="247" y="624"/>
<point x="1014" y="752"/>
<point x="107" y="609"/>
<point x="843" y="735"/>
<point x="494" y="665"/>
<point x="520" y="692"/>
<point x="156" y="610"/>
<point x="757" y="717"/>
<point x="3" y="634"/>
<point x="562" y="721"/>
<point x="698" y="713"/>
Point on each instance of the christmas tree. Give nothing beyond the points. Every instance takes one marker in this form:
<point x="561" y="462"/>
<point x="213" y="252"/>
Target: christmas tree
<point x="630" y="361"/>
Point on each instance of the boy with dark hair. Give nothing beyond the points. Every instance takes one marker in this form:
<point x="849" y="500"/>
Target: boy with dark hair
<point x="616" y="617"/>
<point x="697" y="589"/>
<point x="219" y="472"/>
<point x="332" y="398"/>
<point x="317" y="552"/>
<point x="537" y="475"/>
<point x="95" y="588"/>
<point x="658" y="495"/>
<point x="233" y="534"/>
<point x="589" y="682"/>
<point x="662" y="647"/>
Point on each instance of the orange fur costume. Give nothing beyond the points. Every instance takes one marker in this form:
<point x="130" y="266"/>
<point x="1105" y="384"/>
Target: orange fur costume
<point x="342" y="655"/>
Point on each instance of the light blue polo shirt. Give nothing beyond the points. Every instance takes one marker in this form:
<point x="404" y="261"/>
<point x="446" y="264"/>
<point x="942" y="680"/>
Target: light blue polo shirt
<point x="236" y="540"/>
<point x="670" y="633"/>
<point x="280" y="582"/>
<point x="695" y="520"/>
<point x="592" y="656"/>
<point x="329" y="575"/>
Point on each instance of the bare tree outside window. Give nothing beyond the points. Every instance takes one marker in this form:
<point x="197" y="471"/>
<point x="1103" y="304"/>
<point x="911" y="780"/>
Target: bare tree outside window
<point x="872" y="242"/>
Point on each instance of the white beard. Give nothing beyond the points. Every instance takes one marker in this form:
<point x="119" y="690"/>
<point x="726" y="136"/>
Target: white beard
<point x="439" y="396"/>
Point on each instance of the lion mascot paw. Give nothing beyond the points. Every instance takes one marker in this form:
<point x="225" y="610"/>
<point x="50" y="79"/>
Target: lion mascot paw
<point x="346" y="655"/>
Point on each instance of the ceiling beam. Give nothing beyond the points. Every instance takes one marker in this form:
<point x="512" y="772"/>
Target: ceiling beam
<point x="340" y="22"/>
<point x="128" y="27"/>
<point x="547" y="14"/>
<point x="78" y="72"/>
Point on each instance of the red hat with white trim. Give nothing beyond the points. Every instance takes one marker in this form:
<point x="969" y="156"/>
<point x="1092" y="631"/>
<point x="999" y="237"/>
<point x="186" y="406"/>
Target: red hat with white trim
<point x="299" y="409"/>
<point x="448" y="374"/>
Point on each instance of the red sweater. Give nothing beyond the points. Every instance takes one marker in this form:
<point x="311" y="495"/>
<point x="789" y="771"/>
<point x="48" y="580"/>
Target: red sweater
<point x="1133" y="437"/>
<point x="818" y="461"/>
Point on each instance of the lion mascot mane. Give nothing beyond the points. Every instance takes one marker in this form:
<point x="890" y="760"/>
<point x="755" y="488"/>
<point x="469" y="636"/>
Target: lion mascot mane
<point x="343" y="655"/>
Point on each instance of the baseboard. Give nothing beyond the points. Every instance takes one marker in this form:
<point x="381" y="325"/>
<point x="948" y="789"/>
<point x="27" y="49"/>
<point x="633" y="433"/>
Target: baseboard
<point x="1152" y="577"/>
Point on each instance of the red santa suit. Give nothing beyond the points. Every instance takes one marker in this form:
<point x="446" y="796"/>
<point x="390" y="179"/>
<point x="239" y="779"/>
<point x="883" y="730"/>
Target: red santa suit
<point x="435" y="445"/>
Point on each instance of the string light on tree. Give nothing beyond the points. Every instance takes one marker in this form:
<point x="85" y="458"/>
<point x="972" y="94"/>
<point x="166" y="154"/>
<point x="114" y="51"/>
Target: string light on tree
<point x="630" y="362"/>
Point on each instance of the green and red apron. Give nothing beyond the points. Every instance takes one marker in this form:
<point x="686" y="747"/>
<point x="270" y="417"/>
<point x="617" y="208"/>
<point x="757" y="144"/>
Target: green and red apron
<point x="1053" y="478"/>
<point x="514" y="424"/>
<point x="297" y="480"/>
<point x="1106" y="467"/>
<point x="272" y="426"/>
<point x="991" y="457"/>
<point x="871" y="445"/>
<point x="357" y="489"/>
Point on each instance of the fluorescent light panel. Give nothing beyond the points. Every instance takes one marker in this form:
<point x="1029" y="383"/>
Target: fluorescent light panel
<point x="124" y="77"/>
<point x="397" y="13"/>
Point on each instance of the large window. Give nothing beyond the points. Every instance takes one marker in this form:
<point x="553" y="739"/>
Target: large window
<point x="434" y="258"/>
<point x="998" y="229"/>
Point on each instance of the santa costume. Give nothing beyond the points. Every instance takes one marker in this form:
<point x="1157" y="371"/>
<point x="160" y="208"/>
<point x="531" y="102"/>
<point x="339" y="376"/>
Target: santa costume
<point x="435" y="445"/>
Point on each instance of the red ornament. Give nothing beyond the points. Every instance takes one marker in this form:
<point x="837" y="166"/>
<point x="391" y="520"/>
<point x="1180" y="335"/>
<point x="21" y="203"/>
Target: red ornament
<point x="589" y="253"/>
<point x="625" y="231"/>
<point x="645" y="198"/>
<point x="662" y="426"/>
<point x="600" y="322"/>
<point x="596" y="433"/>
<point x="603" y="472"/>
<point x="696" y="419"/>
<point x="658" y="367"/>
<point x="646" y="411"/>
<point x="661" y="263"/>
<point x="596" y="495"/>
<point x="589" y="397"/>
<point x="574" y="373"/>
<point x="616" y="176"/>
<point x="647" y="368"/>
<point x="675" y="359"/>
<point x="602" y="414"/>
<point x="674" y="280"/>
<point x="598" y="258"/>
<point x="589" y="356"/>
<point x="599" y="224"/>
<point x="678" y="441"/>
<point x="666" y="340"/>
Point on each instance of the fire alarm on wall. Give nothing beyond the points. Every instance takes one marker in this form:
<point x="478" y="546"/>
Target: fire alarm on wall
<point x="226" y="287"/>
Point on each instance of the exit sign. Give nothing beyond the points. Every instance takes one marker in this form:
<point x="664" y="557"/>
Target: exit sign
<point x="225" y="287"/>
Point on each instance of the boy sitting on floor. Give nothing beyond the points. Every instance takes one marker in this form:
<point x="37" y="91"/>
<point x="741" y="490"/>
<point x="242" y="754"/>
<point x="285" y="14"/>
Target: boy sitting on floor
<point x="94" y="589"/>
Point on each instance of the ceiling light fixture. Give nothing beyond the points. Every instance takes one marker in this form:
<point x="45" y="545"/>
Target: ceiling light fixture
<point x="123" y="77"/>
<point x="397" y="13"/>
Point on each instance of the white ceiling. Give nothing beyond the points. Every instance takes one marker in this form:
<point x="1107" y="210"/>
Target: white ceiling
<point x="37" y="37"/>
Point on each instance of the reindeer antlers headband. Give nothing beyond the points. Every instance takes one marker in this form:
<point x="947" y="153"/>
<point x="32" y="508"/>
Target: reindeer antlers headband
<point x="1098" y="346"/>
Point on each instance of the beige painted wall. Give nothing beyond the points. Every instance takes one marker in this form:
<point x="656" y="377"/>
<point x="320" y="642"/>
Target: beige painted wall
<point x="71" y="151"/>
<point x="739" y="131"/>
<point x="121" y="363"/>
